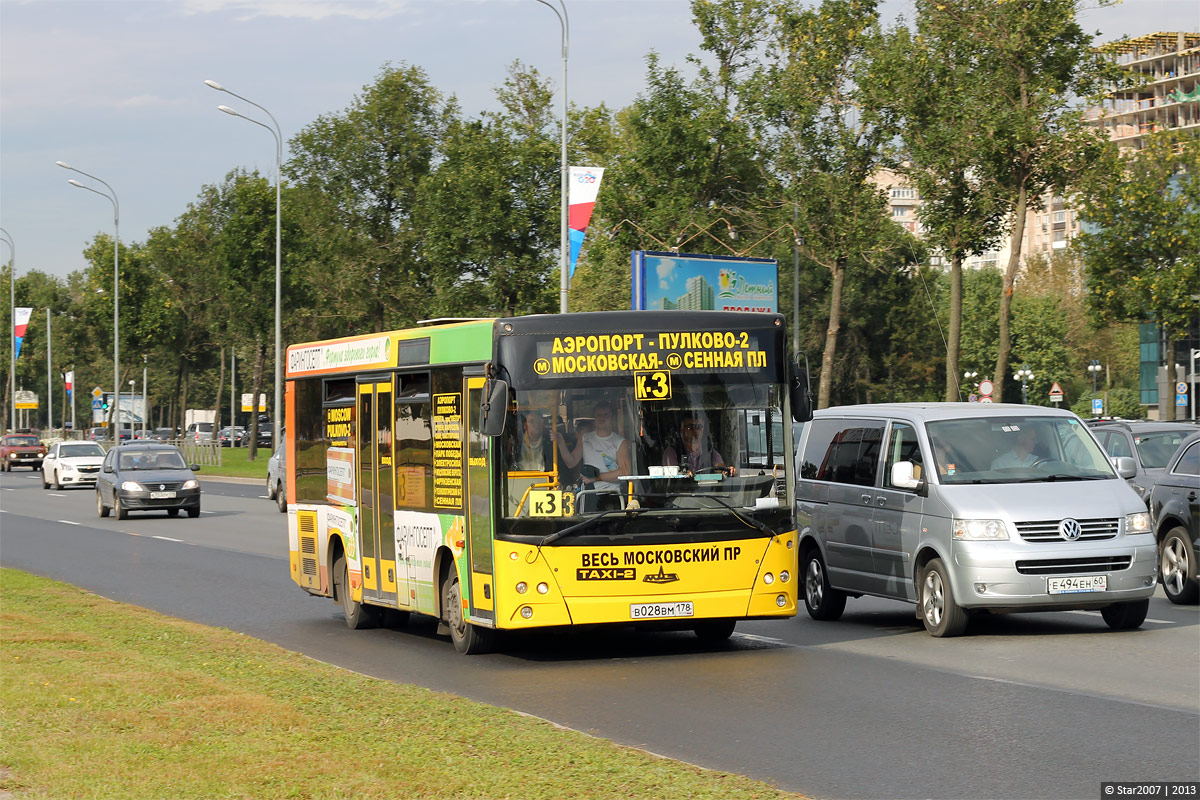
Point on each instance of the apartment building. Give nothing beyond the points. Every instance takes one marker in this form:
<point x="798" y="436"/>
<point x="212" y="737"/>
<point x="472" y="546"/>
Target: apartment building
<point x="1167" y="94"/>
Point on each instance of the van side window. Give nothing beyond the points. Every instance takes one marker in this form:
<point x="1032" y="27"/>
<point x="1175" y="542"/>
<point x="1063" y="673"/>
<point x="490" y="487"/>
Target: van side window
<point x="1117" y="446"/>
<point x="903" y="446"/>
<point x="843" y="451"/>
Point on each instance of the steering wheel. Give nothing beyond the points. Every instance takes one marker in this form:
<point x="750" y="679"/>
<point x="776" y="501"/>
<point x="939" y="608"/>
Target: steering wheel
<point x="712" y="471"/>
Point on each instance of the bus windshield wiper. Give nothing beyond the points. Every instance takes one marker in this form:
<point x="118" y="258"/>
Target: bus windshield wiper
<point x="745" y="520"/>
<point x="587" y="523"/>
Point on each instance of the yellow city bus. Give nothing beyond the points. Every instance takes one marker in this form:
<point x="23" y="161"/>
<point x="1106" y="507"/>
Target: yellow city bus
<point x="618" y="468"/>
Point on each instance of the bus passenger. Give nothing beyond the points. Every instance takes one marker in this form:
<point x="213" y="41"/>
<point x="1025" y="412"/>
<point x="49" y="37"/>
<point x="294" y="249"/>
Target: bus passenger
<point x="698" y="455"/>
<point x="535" y="450"/>
<point x="603" y="449"/>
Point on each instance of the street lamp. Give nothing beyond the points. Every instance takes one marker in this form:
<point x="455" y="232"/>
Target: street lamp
<point x="112" y="198"/>
<point x="1024" y="375"/>
<point x="12" y="292"/>
<point x="278" y="183"/>
<point x="1094" y="368"/>
<point x="132" y="402"/>
<point x="564" y="242"/>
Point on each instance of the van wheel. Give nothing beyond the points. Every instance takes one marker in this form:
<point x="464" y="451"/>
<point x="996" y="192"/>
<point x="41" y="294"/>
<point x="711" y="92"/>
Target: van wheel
<point x="1125" y="616"/>
<point x="468" y="639"/>
<point x="101" y="509"/>
<point x="822" y="600"/>
<point x="1177" y="566"/>
<point x="358" y="616"/>
<point x="942" y="615"/>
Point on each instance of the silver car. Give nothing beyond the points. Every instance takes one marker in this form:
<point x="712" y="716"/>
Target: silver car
<point x="965" y="507"/>
<point x="277" y="477"/>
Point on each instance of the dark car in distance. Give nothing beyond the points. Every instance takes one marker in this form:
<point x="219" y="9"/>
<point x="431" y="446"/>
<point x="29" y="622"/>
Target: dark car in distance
<point x="1149" y="444"/>
<point x="147" y="476"/>
<point x="1175" y="513"/>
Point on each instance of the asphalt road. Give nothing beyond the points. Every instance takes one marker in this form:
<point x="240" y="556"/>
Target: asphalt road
<point x="1024" y="706"/>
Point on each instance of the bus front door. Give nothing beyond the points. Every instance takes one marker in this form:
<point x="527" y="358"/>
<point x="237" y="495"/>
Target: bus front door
<point x="376" y="490"/>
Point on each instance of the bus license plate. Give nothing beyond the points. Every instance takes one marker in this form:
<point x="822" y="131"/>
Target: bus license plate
<point x="1077" y="584"/>
<point x="682" y="608"/>
<point x="162" y="495"/>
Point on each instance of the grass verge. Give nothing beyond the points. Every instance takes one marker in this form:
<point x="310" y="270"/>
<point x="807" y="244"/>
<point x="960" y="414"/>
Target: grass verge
<point x="236" y="463"/>
<point x="106" y="700"/>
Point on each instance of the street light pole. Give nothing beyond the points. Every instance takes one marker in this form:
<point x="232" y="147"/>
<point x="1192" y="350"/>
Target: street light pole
<point x="1094" y="368"/>
<point x="278" y="134"/>
<point x="49" y="380"/>
<point x="565" y="240"/>
<point x="1024" y="375"/>
<point x="112" y="198"/>
<point x="145" y="400"/>
<point x="12" y="323"/>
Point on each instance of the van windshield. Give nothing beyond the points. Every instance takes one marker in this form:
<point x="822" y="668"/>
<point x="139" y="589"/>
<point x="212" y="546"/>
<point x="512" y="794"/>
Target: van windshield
<point x="1026" y="449"/>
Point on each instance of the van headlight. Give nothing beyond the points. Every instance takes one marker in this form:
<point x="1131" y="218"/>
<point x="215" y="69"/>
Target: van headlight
<point x="1137" y="523"/>
<point x="980" y="530"/>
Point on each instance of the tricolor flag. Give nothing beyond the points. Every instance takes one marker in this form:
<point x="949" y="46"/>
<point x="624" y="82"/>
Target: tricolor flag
<point x="581" y="199"/>
<point x="70" y="381"/>
<point x="20" y="322"/>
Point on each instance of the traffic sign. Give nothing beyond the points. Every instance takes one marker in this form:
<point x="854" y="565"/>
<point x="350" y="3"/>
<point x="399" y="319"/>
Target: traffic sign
<point x="96" y="405"/>
<point x="97" y="392"/>
<point x="1056" y="391"/>
<point x="1097" y="406"/>
<point x="986" y="387"/>
<point x="1181" y="400"/>
<point x="986" y="399"/>
<point x="1181" y="388"/>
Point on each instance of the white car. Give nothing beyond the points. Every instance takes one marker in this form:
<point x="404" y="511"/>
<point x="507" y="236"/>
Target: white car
<point x="72" y="464"/>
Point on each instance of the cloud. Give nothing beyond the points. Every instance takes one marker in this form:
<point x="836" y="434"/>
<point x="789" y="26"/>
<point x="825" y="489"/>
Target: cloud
<point x="146" y="101"/>
<point x="300" y="9"/>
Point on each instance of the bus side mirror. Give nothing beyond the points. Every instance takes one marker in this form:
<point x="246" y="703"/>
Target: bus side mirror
<point x="494" y="409"/>
<point x="800" y="397"/>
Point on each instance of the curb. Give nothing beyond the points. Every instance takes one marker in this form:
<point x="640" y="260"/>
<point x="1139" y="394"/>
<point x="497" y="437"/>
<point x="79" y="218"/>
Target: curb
<point x="231" y="479"/>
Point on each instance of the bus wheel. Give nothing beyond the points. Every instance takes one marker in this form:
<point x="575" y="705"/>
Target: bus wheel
<point x="714" y="631"/>
<point x="357" y="615"/>
<point x="468" y="639"/>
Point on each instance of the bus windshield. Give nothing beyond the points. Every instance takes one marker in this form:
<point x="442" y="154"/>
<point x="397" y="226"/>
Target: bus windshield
<point x="716" y="446"/>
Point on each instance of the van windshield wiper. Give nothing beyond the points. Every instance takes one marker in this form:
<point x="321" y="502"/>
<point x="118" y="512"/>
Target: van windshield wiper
<point x="1055" y="478"/>
<point x="589" y="522"/>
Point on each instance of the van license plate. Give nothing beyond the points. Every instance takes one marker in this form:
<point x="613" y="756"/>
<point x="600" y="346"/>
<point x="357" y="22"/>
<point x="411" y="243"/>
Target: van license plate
<point x="1077" y="584"/>
<point x="682" y="608"/>
<point x="162" y="495"/>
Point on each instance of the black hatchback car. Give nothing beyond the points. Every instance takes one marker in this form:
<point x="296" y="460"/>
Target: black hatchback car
<point x="147" y="476"/>
<point x="1176" y="517"/>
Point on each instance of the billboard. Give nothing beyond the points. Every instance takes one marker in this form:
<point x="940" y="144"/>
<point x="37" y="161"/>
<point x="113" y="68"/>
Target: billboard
<point x="663" y="281"/>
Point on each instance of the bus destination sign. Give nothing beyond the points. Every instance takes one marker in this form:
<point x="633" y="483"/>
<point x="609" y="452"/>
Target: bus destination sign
<point x="588" y="355"/>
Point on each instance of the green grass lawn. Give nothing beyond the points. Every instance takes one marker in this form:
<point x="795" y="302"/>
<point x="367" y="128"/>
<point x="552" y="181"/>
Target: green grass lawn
<point x="236" y="463"/>
<point x="105" y="700"/>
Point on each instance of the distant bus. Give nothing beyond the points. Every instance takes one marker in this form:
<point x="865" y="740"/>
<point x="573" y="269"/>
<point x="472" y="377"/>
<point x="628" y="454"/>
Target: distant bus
<point x="417" y="482"/>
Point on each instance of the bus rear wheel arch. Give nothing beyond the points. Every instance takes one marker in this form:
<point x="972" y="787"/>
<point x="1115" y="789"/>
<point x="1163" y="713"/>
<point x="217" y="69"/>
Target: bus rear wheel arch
<point x="358" y="615"/>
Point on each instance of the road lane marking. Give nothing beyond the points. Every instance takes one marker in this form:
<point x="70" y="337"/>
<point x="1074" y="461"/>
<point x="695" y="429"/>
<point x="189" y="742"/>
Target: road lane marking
<point x="1097" y="614"/>
<point x="166" y="538"/>
<point x="68" y="522"/>
<point x="756" y="638"/>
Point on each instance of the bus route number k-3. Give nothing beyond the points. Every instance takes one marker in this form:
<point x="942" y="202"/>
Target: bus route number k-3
<point x="652" y="385"/>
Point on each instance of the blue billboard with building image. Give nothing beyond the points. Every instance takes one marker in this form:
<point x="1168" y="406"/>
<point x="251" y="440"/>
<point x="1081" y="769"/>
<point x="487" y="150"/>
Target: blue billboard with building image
<point x="664" y="281"/>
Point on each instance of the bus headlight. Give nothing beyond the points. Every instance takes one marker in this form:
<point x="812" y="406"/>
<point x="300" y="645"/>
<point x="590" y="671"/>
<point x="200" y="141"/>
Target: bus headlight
<point x="543" y="588"/>
<point x="522" y="587"/>
<point x="526" y="612"/>
<point x="768" y="578"/>
<point x="781" y="600"/>
<point x="785" y="576"/>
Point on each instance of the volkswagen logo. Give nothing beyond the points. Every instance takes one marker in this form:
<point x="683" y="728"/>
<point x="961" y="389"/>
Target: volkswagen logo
<point x="1069" y="529"/>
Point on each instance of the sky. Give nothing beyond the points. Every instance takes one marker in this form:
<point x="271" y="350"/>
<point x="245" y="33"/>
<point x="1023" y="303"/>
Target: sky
<point x="116" y="88"/>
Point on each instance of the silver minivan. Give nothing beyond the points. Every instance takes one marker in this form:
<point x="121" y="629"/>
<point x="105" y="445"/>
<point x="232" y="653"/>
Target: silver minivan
<point x="967" y="507"/>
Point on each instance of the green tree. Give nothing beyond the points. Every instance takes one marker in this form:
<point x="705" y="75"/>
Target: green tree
<point x="931" y="80"/>
<point x="1033" y="138"/>
<point x="366" y="165"/>
<point x="1142" y="247"/>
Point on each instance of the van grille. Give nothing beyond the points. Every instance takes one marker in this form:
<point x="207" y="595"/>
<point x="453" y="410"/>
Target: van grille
<point x="1069" y="566"/>
<point x="1046" y="530"/>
